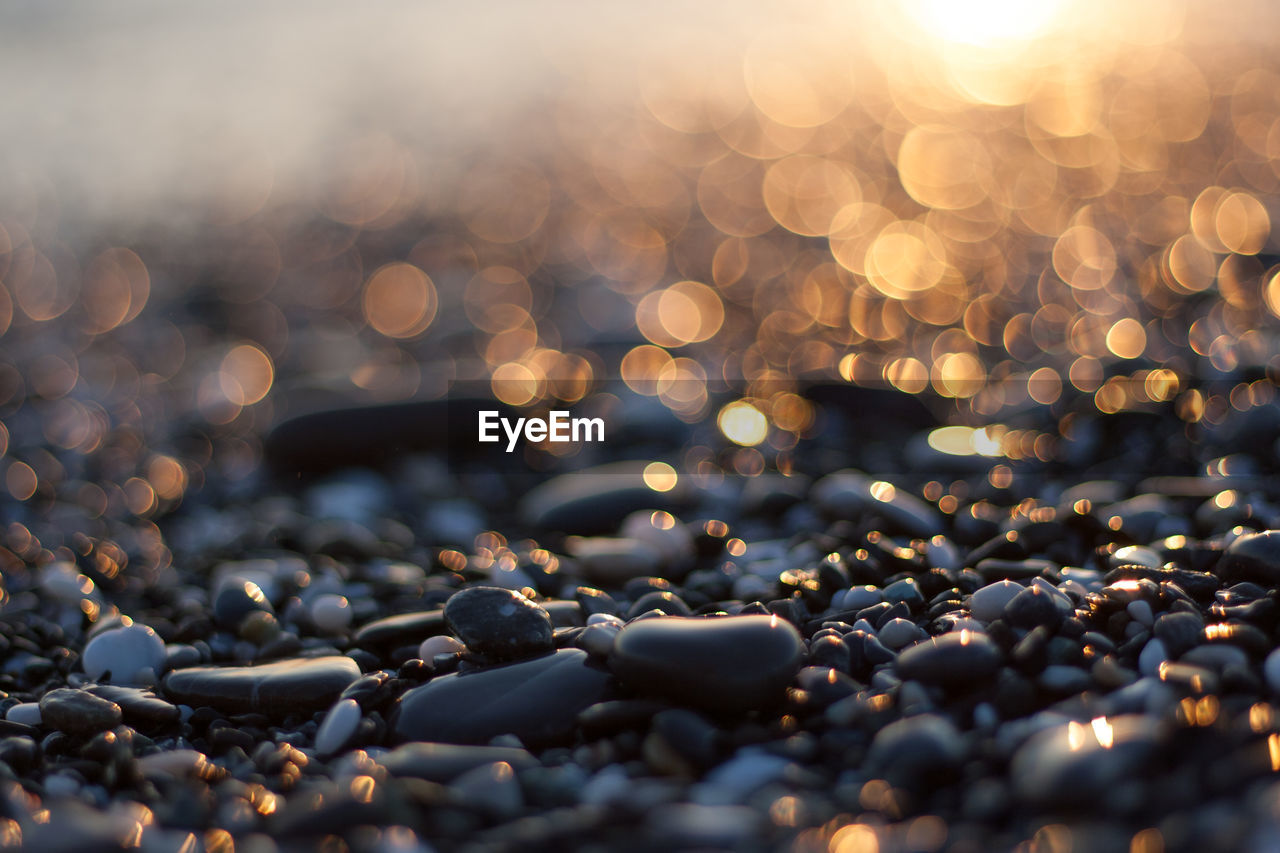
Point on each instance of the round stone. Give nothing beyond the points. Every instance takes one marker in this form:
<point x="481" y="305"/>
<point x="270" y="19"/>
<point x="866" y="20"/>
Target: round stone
<point x="279" y="687"/>
<point x="237" y="598"/>
<point x="988" y="602"/>
<point x="961" y="658"/>
<point x="1252" y="557"/>
<point x="26" y="713"/>
<point x="1031" y="608"/>
<point x="441" y="645"/>
<point x="897" y="633"/>
<point x="134" y="655"/>
<point x="331" y="613"/>
<point x="499" y="623"/>
<point x="734" y="664"/>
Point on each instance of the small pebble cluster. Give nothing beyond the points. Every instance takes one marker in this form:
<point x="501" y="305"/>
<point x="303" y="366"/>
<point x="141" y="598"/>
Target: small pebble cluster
<point x="831" y="661"/>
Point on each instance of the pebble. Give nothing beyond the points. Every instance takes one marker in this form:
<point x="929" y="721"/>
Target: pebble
<point x="536" y="700"/>
<point x="955" y="659"/>
<point x="918" y="751"/>
<point x="491" y="788"/>
<point x="134" y="655"/>
<point x="849" y="494"/>
<point x="26" y="713"/>
<point x="1032" y="607"/>
<point x="897" y="633"/>
<point x="1271" y="671"/>
<point x="141" y="708"/>
<point x="444" y="762"/>
<point x="1153" y="654"/>
<point x="235" y="599"/>
<point x="988" y="602"/>
<point x="432" y="647"/>
<point x="732" y="664"/>
<point x="498" y="623"/>
<point x="859" y="597"/>
<point x="78" y="712"/>
<point x="338" y="727"/>
<point x="400" y="630"/>
<point x="1077" y="764"/>
<point x="614" y="561"/>
<point x="1252" y="557"/>
<point x="331" y="614"/>
<point x="276" y="688"/>
<point x="595" y="500"/>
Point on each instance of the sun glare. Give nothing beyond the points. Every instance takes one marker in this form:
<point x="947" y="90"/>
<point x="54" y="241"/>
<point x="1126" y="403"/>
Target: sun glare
<point x="986" y="23"/>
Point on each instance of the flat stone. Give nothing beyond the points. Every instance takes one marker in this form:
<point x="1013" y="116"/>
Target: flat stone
<point x="614" y="560"/>
<point x="960" y="658"/>
<point x="734" y="664"/>
<point x="140" y="707"/>
<point x="276" y="688"/>
<point x="78" y="712"/>
<point x="500" y="624"/>
<point x="595" y="500"/>
<point x="536" y="700"/>
<point x="444" y="762"/>
<point x="849" y="494"/>
<point x="403" y="629"/>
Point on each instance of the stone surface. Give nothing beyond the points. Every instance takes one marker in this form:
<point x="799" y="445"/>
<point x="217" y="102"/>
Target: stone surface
<point x="988" y="602"/>
<point x="277" y="688"/>
<point x="1075" y="764"/>
<point x="444" y="762"/>
<point x="536" y="700"/>
<point x="78" y="712"/>
<point x="403" y="629"/>
<point x="734" y="664"/>
<point x="500" y="624"/>
<point x="338" y="726"/>
<point x="958" y="659"/>
<point x="1252" y="557"/>
<point x="133" y="655"/>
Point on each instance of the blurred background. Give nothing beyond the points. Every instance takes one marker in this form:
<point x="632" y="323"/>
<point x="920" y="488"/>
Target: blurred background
<point x="215" y="216"/>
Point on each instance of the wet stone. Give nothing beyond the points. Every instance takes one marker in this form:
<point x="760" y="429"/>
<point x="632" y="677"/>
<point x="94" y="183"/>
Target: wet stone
<point x="536" y="700"/>
<point x="78" y="712"/>
<point x="731" y="664"/>
<point x="276" y="688"/>
<point x="956" y="659"/>
<point x="1033" y="607"/>
<point x="498" y="623"/>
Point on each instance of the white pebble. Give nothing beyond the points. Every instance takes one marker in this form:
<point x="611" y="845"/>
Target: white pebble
<point x="27" y="713"/>
<point x="604" y="619"/>
<point x="133" y="654"/>
<point x="988" y="602"/>
<point x="1271" y="669"/>
<point x="1140" y="612"/>
<point x="331" y="613"/>
<point x="441" y="645"/>
<point x="339" y="725"/>
<point x="1154" y="653"/>
<point x="61" y="785"/>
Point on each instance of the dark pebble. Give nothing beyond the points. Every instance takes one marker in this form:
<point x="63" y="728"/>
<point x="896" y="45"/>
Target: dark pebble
<point x="536" y="700"/>
<point x="78" y="712"/>
<point x="277" y="688"/>
<point x="500" y="624"/>
<point x="1252" y="557"/>
<point x="734" y="664"/>
<point x="956" y="659"/>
